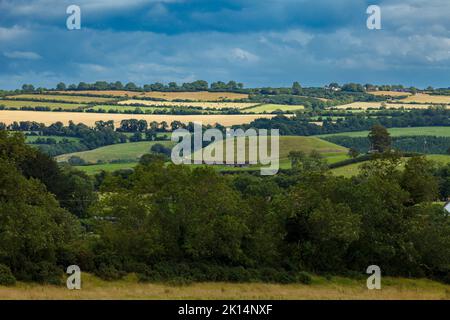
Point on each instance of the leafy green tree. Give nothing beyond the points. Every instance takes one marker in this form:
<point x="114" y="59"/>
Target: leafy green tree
<point x="353" y="153"/>
<point x="76" y="161"/>
<point x="419" y="180"/>
<point x="334" y="227"/>
<point x="303" y="162"/>
<point x="61" y="86"/>
<point x="159" y="148"/>
<point x="131" y="86"/>
<point x="380" y="138"/>
<point x="75" y="191"/>
<point x="28" y="88"/>
<point x="34" y="229"/>
<point x="296" y="88"/>
<point x="150" y="158"/>
<point x="430" y="233"/>
<point x="296" y="158"/>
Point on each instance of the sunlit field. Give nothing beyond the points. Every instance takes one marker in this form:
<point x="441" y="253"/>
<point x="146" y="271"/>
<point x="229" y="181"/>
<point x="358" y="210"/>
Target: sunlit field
<point x="8" y="117"/>
<point x="193" y="96"/>
<point x="320" y="288"/>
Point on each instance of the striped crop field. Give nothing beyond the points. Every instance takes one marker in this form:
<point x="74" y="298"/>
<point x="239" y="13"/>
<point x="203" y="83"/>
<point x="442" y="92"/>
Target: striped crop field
<point x="378" y="105"/>
<point x="9" y="116"/>
<point x="199" y="104"/>
<point x="192" y="96"/>
<point x="62" y="98"/>
<point x="52" y="105"/>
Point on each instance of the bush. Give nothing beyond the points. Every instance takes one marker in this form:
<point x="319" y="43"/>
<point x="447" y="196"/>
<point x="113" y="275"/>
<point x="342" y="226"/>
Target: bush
<point x="304" y="277"/>
<point x="47" y="272"/>
<point x="284" y="277"/>
<point x="161" y="149"/>
<point x="108" y="272"/>
<point x="76" y="161"/>
<point x="6" y="276"/>
<point x="238" y="274"/>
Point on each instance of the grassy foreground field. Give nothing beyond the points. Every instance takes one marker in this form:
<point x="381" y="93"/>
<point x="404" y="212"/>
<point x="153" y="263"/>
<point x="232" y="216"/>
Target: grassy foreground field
<point x="320" y="288"/>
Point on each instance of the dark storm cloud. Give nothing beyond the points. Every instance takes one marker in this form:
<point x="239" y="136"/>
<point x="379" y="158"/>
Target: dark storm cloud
<point x="271" y="42"/>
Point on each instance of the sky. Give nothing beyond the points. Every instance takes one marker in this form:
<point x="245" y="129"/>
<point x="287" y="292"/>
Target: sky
<point x="257" y="42"/>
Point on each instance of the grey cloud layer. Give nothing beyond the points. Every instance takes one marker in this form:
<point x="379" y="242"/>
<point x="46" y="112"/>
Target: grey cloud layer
<point x="330" y="44"/>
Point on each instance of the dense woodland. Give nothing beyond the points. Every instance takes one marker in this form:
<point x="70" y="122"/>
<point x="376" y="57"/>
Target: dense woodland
<point x="175" y="223"/>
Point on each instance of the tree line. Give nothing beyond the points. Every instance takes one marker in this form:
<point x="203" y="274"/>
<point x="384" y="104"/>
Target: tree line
<point x="198" y="85"/>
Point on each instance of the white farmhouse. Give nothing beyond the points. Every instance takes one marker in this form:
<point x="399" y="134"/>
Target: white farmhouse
<point x="447" y="207"/>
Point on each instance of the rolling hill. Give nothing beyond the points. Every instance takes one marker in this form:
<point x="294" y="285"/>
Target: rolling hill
<point x="330" y="151"/>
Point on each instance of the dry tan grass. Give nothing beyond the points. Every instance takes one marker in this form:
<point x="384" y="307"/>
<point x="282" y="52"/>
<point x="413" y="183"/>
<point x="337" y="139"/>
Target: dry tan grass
<point x="129" y="288"/>
<point x="194" y="96"/>
<point x="390" y="93"/>
<point x="197" y="96"/>
<point x="212" y="105"/>
<point x="426" y="98"/>
<point x="9" y="116"/>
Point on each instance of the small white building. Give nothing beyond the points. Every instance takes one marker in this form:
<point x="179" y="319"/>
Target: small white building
<point x="447" y="207"/>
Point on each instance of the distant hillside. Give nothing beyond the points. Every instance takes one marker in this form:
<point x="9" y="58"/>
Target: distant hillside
<point x="297" y="143"/>
<point x="117" y="152"/>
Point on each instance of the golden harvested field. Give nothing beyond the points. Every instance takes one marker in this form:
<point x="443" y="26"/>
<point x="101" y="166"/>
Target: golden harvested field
<point x="194" y="96"/>
<point x="320" y="289"/>
<point x="54" y="97"/>
<point x="9" y="116"/>
<point x="212" y="105"/>
<point x="426" y="98"/>
<point x="268" y="108"/>
<point x="390" y="93"/>
<point x="197" y="96"/>
<point x="377" y="105"/>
